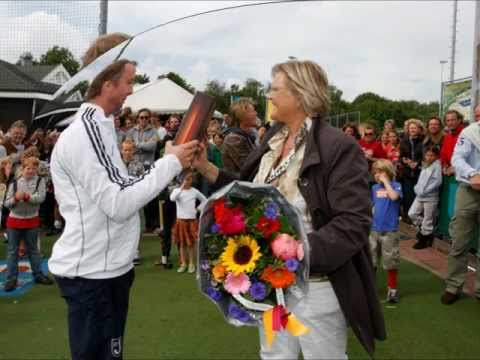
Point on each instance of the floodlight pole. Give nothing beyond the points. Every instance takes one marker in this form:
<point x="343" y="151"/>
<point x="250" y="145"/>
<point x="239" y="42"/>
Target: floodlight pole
<point x="102" y="26"/>
<point x="476" y="62"/>
<point x="454" y="41"/>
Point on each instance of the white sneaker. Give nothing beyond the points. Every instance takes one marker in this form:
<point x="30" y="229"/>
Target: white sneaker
<point x="392" y="296"/>
<point x="191" y="269"/>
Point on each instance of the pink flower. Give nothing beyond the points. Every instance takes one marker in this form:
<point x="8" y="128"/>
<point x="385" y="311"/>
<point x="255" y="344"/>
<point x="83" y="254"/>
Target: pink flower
<point x="286" y="247"/>
<point x="236" y="284"/>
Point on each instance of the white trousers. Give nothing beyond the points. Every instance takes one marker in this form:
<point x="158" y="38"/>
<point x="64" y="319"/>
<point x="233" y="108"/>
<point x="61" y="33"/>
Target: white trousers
<point x="423" y="215"/>
<point x="321" y="313"/>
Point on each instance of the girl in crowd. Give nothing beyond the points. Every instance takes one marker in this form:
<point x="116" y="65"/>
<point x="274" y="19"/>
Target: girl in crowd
<point x="393" y="149"/>
<point x="24" y="197"/>
<point x="185" y="230"/>
<point x="385" y="141"/>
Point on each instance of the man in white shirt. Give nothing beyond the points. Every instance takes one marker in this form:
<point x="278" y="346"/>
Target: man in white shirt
<point x="92" y="260"/>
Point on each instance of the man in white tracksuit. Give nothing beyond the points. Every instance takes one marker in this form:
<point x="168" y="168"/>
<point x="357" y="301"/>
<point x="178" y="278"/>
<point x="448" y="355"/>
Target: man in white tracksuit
<point x="92" y="260"/>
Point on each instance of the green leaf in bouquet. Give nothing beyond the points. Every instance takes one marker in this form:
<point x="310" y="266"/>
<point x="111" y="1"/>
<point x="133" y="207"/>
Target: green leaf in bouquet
<point x="286" y="227"/>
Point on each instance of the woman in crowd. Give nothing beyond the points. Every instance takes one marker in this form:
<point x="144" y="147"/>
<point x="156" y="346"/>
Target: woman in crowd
<point x="434" y="133"/>
<point x="239" y="141"/>
<point x="352" y="130"/>
<point x="324" y="174"/>
<point x="145" y="138"/>
<point x="411" y="154"/>
<point x="389" y="125"/>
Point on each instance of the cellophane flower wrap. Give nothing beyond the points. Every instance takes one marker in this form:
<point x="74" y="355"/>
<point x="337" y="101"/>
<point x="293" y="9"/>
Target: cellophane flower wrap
<point x="253" y="253"/>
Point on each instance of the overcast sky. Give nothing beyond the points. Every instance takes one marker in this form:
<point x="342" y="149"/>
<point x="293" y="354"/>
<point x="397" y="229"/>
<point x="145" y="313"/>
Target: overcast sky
<point x="391" y="48"/>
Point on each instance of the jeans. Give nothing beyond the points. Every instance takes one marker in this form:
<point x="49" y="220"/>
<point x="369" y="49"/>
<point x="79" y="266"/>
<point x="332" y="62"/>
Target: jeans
<point x="30" y="238"/>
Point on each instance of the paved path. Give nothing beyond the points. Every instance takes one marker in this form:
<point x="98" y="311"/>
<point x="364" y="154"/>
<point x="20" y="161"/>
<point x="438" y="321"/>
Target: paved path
<point x="433" y="259"/>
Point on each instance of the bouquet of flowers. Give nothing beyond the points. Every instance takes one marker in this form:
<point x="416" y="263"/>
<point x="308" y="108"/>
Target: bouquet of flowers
<point x="253" y="257"/>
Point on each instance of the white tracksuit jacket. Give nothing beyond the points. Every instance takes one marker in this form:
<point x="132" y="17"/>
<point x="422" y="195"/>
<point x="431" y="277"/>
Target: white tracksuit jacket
<point x="97" y="198"/>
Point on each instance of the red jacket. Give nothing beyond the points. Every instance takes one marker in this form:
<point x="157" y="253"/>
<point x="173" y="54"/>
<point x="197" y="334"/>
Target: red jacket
<point x="375" y="147"/>
<point x="449" y="142"/>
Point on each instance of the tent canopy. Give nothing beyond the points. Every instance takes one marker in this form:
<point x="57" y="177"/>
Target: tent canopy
<point x="162" y="96"/>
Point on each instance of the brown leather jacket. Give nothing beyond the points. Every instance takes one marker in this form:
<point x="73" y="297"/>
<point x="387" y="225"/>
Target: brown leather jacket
<point x="236" y="147"/>
<point x="334" y="183"/>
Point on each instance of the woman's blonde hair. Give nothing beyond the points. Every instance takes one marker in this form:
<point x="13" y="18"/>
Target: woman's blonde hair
<point x="3" y="163"/>
<point x="239" y="109"/>
<point x="385" y="166"/>
<point x="101" y="45"/>
<point x="309" y="83"/>
<point x="417" y="122"/>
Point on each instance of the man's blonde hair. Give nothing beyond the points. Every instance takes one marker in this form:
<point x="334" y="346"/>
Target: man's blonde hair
<point x="386" y="166"/>
<point x="101" y="45"/>
<point x="309" y="83"/>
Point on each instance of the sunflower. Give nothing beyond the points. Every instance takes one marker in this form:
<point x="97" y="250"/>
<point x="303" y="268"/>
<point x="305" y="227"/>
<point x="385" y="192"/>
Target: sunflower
<point x="240" y="254"/>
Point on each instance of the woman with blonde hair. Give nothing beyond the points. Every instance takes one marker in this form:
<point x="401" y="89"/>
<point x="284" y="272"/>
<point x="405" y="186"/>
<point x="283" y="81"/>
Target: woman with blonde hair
<point x="324" y="174"/>
<point x="411" y="155"/>
<point x="239" y="140"/>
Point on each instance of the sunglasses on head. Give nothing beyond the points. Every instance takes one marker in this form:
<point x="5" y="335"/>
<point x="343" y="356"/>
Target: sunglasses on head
<point x="143" y="117"/>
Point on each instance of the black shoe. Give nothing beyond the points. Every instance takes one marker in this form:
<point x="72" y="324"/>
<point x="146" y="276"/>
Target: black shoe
<point x="429" y="240"/>
<point x="421" y="243"/>
<point x="168" y="265"/>
<point x="10" y="285"/>
<point x="44" y="280"/>
<point x="448" y="298"/>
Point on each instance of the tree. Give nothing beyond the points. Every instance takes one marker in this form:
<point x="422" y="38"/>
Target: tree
<point x="218" y="91"/>
<point x="60" y="55"/>
<point x="177" y="79"/>
<point x="337" y="104"/>
<point x="141" y="79"/>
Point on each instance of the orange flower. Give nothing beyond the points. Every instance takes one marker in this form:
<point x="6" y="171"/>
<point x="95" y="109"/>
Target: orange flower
<point x="278" y="277"/>
<point x="219" y="272"/>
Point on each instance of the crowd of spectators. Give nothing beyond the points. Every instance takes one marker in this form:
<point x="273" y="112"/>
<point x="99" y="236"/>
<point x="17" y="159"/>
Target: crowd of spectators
<point x="410" y="162"/>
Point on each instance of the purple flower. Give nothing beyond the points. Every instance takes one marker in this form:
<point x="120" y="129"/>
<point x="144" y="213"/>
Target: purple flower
<point x="258" y="291"/>
<point x="215" y="228"/>
<point x="214" y="294"/>
<point x="237" y="313"/>
<point x="271" y="211"/>
<point x="292" y="265"/>
<point x="205" y="265"/>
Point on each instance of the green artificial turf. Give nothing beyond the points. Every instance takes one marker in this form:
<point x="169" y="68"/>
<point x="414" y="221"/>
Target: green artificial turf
<point x="170" y="319"/>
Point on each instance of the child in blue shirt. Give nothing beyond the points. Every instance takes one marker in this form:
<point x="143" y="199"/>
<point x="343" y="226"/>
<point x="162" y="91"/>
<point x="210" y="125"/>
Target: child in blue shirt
<point x="386" y="197"/>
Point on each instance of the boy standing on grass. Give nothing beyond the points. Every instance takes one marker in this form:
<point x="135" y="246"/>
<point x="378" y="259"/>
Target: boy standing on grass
<point x="424" y="208"/>
<point x="386" y="197"/>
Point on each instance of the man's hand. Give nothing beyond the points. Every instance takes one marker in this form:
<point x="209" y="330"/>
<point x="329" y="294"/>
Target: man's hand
<point x="200" y="161"/>
<point x="475" y="182"/>
<point x="185" y="153"/>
